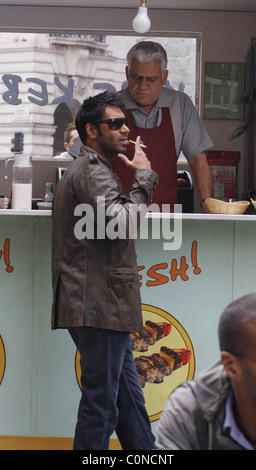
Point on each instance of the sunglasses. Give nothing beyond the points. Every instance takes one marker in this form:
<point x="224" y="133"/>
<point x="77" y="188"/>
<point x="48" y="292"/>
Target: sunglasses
<point x="115" y="123"/>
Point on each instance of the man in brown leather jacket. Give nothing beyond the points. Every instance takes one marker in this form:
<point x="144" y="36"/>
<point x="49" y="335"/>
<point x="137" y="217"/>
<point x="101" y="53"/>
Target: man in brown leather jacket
<point x="95" y="282"/>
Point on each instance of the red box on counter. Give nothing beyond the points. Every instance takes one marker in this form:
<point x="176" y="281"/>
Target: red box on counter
<point x="223" y="165"/>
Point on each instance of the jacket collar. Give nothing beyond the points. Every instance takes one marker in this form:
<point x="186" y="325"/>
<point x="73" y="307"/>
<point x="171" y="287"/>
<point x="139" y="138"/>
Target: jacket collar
<point x="85" y="151"/>
<point x="213" y="386"/>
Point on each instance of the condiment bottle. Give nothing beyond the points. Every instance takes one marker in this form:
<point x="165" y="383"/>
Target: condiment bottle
<point x="22" y="182"/>
<point x="49" y="192"/>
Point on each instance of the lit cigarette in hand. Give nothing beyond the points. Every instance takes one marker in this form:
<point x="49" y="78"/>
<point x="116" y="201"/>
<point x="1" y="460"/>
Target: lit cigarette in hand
<point x="141" y="144"/>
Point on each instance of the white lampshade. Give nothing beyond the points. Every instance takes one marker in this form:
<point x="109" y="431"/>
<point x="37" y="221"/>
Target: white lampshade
<point x="141" y="22"/>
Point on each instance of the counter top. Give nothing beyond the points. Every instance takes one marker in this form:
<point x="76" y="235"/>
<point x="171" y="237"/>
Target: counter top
<point x="25" y="212"/>
<point x="150" y="215"/>
<point x="198" y="216"/>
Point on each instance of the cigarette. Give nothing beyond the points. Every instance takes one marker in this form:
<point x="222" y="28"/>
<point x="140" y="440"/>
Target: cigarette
<point x="142" y="145"/>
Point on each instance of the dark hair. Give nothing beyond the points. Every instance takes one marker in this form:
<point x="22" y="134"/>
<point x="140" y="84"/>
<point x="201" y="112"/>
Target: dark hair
<point x="92" y="109"/>
<point x="234" y="323"/>
<point x="67" y="134"/>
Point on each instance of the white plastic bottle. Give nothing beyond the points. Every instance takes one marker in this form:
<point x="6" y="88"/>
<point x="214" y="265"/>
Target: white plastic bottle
<point x="22" y="182"/>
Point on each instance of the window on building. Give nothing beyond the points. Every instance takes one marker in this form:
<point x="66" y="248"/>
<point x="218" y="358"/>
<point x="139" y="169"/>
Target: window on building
<point x="43" y="74"/>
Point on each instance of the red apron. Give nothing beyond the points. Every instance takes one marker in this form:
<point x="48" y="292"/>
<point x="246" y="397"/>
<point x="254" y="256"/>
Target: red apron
<point x="162" y="155"/>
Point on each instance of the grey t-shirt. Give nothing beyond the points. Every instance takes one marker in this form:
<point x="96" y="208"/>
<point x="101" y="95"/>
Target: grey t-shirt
<point x="190" y="135"/>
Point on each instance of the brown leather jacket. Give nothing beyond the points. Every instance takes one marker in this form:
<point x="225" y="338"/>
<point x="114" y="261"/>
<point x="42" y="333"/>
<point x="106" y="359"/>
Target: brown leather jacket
<point x="95" y="281"/>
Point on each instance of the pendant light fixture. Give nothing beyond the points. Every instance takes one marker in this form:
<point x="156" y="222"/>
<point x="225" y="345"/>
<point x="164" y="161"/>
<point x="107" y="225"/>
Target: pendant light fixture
<point x="141" y="22"/>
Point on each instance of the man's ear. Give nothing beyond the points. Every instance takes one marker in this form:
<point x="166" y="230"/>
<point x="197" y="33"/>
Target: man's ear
<point x="91" y="130"/>
<point x="232" y="365"/>
<point x="126" y="71"/>
<point x="165" y="75"/>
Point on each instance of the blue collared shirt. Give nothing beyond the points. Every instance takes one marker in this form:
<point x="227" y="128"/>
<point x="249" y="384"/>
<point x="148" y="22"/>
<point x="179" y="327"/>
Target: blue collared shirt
<point x="230" y="427"/>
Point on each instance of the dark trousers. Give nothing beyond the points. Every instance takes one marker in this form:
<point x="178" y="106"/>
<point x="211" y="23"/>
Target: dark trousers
<point x="112" y="398"/>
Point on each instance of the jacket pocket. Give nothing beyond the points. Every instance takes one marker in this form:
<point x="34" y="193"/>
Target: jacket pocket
<point x="121" y="283"/>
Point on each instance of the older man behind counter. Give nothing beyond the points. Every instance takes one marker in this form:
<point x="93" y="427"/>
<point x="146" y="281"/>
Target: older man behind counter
<point x="167" y="122"/>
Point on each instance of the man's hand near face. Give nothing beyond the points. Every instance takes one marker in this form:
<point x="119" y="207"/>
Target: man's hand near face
<point x="139" y="161"/>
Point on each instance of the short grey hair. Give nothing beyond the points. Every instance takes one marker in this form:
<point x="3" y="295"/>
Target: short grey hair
<point x="148" y="51"/>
